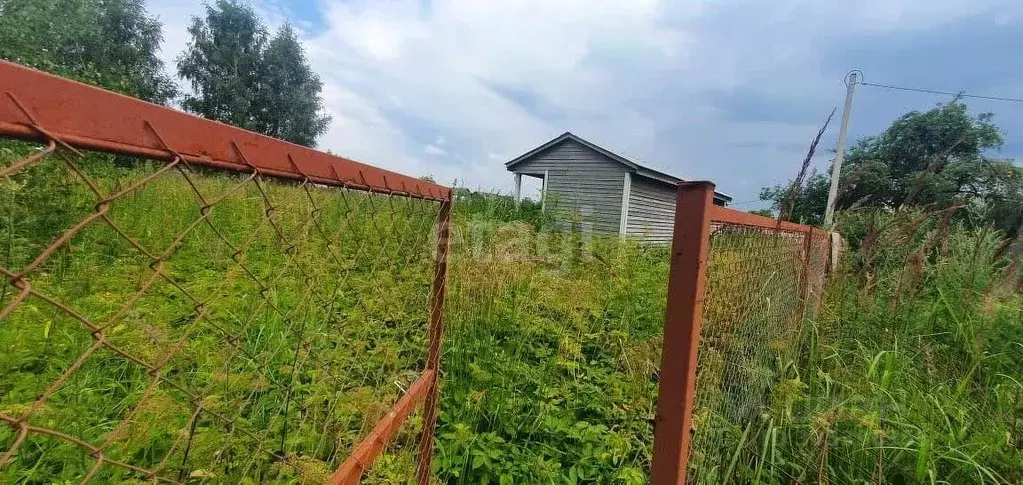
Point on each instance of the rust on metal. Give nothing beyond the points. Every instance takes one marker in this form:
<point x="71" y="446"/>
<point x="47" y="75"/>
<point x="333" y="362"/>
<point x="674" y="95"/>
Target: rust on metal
<point x="55" y="111"/>
<point x="367" y="451"/>
<point x="686" y="281"/>
<point x="732" y="216"/>
<point x="436" y="333"/>
<point x="43" y="107"/>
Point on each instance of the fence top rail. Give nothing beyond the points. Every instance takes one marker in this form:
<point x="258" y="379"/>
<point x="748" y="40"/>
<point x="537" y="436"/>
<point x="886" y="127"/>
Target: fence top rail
<point x="732" y="216"/>
<point x="38" y="106"/>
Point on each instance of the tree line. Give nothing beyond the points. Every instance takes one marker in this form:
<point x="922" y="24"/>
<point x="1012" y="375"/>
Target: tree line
<point x="938" y="159"/>
<point x="238" y="72"/>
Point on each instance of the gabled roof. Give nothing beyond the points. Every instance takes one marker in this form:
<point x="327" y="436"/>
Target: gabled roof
<point x="652" y="173"/>
<point x="638" y="168"/>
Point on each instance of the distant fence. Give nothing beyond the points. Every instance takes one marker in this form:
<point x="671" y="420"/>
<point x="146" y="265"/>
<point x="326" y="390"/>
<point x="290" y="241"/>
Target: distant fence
<point x="207" y="304"/>
<point x="739" y="289"/>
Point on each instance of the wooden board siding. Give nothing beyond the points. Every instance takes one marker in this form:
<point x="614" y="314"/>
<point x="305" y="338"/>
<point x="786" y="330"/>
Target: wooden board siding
<point x="651" y="210"/>
<point x="582" y="182"/>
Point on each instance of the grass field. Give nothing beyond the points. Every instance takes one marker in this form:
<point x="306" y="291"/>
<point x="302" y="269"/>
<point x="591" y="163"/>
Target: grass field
<point x="313" y="321"/>
<point x="908" y="373"/>
<point x="553" y="345"/>
<point x="293" y="346"/>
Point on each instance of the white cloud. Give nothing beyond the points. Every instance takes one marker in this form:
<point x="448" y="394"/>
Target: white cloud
<point x="443" y="63"/>
<point x="407" y="81"/>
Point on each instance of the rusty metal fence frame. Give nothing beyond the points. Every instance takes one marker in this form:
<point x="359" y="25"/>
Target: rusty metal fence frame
<point x="64" y="114"/>
<point x="695" y="214"/>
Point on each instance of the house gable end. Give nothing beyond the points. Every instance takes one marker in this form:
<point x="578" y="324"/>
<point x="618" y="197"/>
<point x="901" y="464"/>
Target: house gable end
<point x="568" y="141"/>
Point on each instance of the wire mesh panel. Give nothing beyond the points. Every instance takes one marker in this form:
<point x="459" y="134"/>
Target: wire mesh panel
<point x="755" y="297"/>
<point x="740" y="288"/>
<point x="817" y="263"/>
<point x="165" y="321"/>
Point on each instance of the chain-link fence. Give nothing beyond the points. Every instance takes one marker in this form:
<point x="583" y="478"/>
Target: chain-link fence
<point x="740" y="289"/>
<point x="761" y="284"/>
<point x="203" y="304"/>
<point x="190" y="302"/>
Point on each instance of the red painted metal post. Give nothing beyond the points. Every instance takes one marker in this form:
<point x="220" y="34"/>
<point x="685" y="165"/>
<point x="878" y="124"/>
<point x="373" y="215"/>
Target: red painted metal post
<point x="677" y="388"/>
<point x="436" y="333"/>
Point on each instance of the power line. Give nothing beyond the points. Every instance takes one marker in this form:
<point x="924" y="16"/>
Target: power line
<point x="944" y="93"/>
<point x="961" y="94"/>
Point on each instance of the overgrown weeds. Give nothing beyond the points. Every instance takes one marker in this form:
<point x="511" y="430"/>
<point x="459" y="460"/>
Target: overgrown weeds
<point x="249" y="331"/>
<point x="909" y="371"/>
<point x="552" y="349"/>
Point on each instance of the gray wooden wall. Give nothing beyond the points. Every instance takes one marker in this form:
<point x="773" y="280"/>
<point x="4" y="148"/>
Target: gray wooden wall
<point x="582" y="181"/>
<point x="651" y="210"/>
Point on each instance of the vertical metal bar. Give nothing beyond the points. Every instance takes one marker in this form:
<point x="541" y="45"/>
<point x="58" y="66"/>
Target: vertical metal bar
<point x="677" y="389"/>
<point x="436" y="333"/>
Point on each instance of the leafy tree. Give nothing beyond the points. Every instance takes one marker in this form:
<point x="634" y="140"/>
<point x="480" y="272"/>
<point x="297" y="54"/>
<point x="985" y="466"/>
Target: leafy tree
<point x="935" y="159"/>
<point x="288" y="101"/>
<point x="109" y="43"/>
<point x="922" y="158"/>
<point x="808" y="201"/>
<point x="242" y="76"/>
<point x="222" y="63"/>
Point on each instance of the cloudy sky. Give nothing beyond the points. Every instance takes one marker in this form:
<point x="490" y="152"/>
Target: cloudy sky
<point x="723" y="90"/>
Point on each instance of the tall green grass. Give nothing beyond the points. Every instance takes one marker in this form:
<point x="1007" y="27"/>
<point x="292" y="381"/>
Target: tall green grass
<point x="910" y="371"/>
<point x="290" y="371"/>
<point x="552" y="345"/>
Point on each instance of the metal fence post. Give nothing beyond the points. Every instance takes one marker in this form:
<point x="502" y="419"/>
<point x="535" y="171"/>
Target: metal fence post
<point x="436" y="333"/>
<point x="677" y="387"/>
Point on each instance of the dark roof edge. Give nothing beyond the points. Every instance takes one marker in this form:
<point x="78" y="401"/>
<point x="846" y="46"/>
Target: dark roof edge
<point x="659" y="177"/>
<point x="568" y="135"/>
<point x="641" y="170"/>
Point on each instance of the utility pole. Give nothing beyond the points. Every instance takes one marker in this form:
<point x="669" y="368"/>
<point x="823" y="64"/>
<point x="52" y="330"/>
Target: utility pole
<point x="850" y="86"/>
